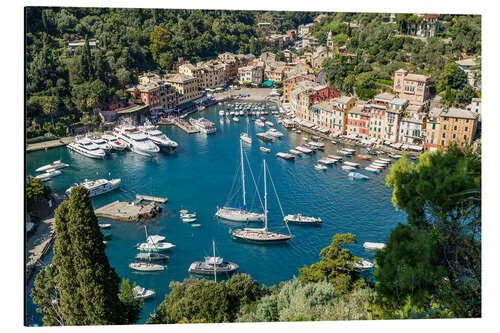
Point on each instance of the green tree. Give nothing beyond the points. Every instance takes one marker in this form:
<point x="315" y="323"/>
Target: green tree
<point x="86" y="72"/>
<point x="133" y="306"/>
<point x="160" y="39"/>
<point x="440" y="197"/>
<point x="201" y="300"/>
<point x="79" y="287"/>
<point x="453" y="76"/>
<point x="337" y="265"/>
<point x="365" y="86"/>
<point x="35" y="191"/>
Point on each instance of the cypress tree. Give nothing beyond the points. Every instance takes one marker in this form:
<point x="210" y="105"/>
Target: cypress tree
<point x="79" y="287"/>
<point x="86" y="72"/>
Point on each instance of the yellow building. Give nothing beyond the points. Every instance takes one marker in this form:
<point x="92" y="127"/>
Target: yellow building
<point x="186" y="86"/>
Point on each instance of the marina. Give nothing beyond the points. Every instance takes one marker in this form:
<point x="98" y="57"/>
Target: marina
<point x="206" y="164"/>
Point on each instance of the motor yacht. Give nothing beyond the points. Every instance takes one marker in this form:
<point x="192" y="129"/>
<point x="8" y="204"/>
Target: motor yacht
<point x="97" y="187"/>
<point x="85" y="147"/>
<point x="160" y="139"/>
<point x="114" y="142"/>
<point x="138" y="142"/>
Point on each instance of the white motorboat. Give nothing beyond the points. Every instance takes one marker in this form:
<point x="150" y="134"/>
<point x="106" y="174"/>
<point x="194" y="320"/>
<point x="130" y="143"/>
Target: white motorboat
<point x="333" y="142"/>
<point x="318" y="145"/>
<point x="299" y="218"/>
<point x="265" y="136"/>
<point x="274" y="132"/>
<point x="146" y="267"/>
<point x="286" y="156"/>
<point x="320" y="167"/>
<point x="363" y="264"/>
<point x="212" y="266"/>
<point x="140" y="292"/>
<point x="357" y="175"/>
<point x="221" y="112"/>
<point x="185" y="214"/>
<point x="371" y="169"/>
<point x="51" y="173"/>
<point x="348" y="168"/>
<point x="335" y="157"/>
<point x="97" y="187"/>
<point x="373" y="246"/>
<point x="85" y="147"/>
<point x="54" y="165"/>
<point x="395" y="156"/>
<point x="304" y="150"/>
<point x="265" y="150"/>
<point x="262" y="235"/>
<point x="160" y="139"/>
<point x="245" y="138"/>
<point x="138" y="142"/>
<point x="154" y="244"/>
<point x="295" y="152"/>
<point x="268" y="123"/>
<point x="353" y="164"/>
<point x="114" y="142"/>
<point x="327" y="161"/>
<point x="104" y="225"/>
<point x="240" y="214"/>
<point x="236" y="119"/>
<point x="204" y="125"/>
<point x="259" y="123"/>
<point x="188" y="219"/>
<point x="101" y="143"/>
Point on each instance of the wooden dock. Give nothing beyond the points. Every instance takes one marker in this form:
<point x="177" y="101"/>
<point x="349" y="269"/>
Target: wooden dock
<point x="141" y="197"/>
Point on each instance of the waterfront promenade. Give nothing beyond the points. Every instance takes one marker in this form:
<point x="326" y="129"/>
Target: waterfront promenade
<point x="49" y="144"/>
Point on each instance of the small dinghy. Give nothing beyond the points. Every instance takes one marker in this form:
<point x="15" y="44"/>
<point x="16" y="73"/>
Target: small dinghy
<point x="320" y="167"/>
<point x="286" y="156"/>
<point x="140" y="292"/>
<point x="195" y="225"/>
<point x="348" y="168"/>
<point x="395" y="156"/>
<point x="146" y="267"/>
<point x="373" y="246"/>
<point x="151" y="256"/>
<point x="265" y="150"/>
<point x="303" y="150"/>
<point x="327" y="161"/>
<point x="189" y="219"/>
<point x="295" y="152"/>
<point x="184" y="214"/>
<point x="357" y="175"/>
<point x="368" y="168"/>
<point x="364" y="157"/>
<point x="363" y="264"/>
<point x="333" y="142"/>
<point x="335" y="157"/>
<point x="104" y="225"/>
<point x="299" y="218"/>
<point x="353" y="164"/>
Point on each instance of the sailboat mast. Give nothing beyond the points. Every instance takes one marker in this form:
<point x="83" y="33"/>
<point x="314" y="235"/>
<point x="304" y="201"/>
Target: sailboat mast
<point x="215" y="271"/>
<point x="243" y="177"/>
<point x="265" y="198"/>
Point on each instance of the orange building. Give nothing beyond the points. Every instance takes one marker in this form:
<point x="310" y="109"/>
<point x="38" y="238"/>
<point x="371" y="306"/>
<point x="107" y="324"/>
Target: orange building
<point x="413" y="87"/>
<point x="457" y="125"/>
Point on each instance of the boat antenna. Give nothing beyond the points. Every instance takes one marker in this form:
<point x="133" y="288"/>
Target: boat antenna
<point x="243" y="177"/>
<point x="265" y="197"/>
<point x="215" y="271"/>
<point x="276" y="193"/>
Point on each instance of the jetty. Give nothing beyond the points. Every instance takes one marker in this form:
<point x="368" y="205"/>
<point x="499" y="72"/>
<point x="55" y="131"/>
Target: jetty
<point x="49" y="144"/>
<point x="185" y="126"/>
<point x="141" y="197"/>
<point x="128" y="211"/>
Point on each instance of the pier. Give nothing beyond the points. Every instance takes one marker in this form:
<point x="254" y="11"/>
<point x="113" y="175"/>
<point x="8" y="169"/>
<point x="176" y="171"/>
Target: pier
<point x="141" y="197"/>
<point x="49" y="144"/>
<point x="128" y="211"/>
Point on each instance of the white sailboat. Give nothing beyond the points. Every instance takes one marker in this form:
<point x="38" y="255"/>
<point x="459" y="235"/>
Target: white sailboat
<point x="262" y="235"/>
<point x="240" y="214"/>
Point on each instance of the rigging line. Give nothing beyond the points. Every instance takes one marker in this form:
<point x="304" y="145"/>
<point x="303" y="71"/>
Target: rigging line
<point x="231" y="193"/>
<point x="256" y="187"/>
<point x="255" y="194"/>
<point x="276" y="193"/>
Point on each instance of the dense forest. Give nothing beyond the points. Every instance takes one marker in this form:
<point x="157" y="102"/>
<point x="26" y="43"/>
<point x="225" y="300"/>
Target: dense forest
<point x="381" y="48"/>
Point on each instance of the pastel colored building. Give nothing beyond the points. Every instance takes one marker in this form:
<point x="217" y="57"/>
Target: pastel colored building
<point x="153" y="90"/>
<point x="251" y="74"/>
<point x="275" y="71"/>
<point x="293" y="80"/>
<point x="187" y="87"/>
<point x="432" y="129"/>
<point x="392" y="117"/>
<point x="191" y="70"/>
<point x="377" y="121"/>
<point x="358" y="122"/>
<point x="412" y="128"/>
<point x="332" y="114"/>
<point x="413" y="87"/>
<point x="457" y="125"/>
<point x="305" y="94"/>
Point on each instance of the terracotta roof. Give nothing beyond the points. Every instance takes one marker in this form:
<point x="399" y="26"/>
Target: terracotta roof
<point x="458" y="113"/>
<point x="180" y="78"/>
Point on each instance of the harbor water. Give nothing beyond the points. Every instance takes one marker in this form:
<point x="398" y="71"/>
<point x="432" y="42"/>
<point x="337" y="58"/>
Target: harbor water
<point x="199" y="177"/>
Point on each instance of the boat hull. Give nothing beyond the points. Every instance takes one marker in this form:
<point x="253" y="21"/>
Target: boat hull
<point x="239" y="215"/>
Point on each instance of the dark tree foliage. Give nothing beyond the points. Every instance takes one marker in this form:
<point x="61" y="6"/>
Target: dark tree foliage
<point x="36" y="191"/>
<point x="79" y="287"/>
<point x="441" y="195"/>
<point x="200" y="300"/>
<point x="337" y="266"/>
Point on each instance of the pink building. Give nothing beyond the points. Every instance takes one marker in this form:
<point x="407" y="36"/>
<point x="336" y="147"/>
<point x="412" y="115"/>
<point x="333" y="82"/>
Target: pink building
<point x="413" y="87"/>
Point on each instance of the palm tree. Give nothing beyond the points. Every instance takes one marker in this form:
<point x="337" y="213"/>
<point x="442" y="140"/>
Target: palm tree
<point x="50" y="110"/>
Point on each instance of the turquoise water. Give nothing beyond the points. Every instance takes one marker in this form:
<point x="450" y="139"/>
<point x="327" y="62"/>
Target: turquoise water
<point x="199" y="176"/>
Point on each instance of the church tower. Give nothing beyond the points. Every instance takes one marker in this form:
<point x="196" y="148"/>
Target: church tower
<point x="329" y="43"/>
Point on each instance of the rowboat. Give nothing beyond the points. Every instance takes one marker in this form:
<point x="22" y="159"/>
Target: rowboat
<point x="372" y="169"/>
<point x="353" y="164"/>
<point x="320" y="167"/>
<point x="348" y="168"/>
<point x="286" y="156"/>
<point x="357" y="175"/>
<point x="265" y="150"/>
<point x="104" y="225"/>
<point x="364" y="157"/>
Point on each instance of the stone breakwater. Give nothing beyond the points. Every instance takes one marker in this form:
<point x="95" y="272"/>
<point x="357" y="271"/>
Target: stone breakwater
<point x="128" y="211"/>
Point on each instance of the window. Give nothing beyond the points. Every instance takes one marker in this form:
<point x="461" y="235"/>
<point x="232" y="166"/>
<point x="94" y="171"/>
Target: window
<point x="467" y="120"/>
<point x="466" y="129"/>
<point x="454" y="136"/>
<point x="455" y="128"/>
<point x="444" y="126"/>
<point x="442" y="142"/>
<point x="465" y="137"/>
<point x="433" y="126"/>
<point x="444" y="135"/>
<point x="456" y="120"/>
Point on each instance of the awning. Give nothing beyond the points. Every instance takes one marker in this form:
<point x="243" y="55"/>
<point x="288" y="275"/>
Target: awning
<point x="268" y="83"/>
